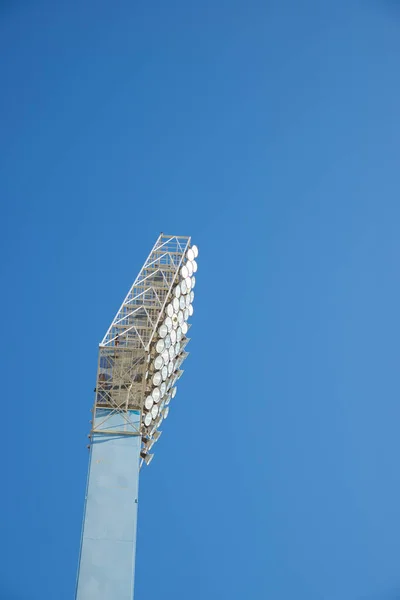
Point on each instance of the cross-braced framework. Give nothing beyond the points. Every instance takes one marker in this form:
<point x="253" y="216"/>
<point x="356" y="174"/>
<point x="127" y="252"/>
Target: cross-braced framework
<point x="124" y="352"/>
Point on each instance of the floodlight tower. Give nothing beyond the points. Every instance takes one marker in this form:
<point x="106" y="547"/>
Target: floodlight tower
<point x="140" y="362"/>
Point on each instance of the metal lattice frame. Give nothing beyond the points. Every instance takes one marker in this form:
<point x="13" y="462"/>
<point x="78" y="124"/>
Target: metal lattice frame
<point x="124" y="352"/>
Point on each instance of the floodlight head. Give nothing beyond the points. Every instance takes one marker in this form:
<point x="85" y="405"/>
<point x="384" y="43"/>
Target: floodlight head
<point x="148" y="444"/>
<point x="148" y="403"/>
<point x="142" y="353"/>
<point x="147" y="457"/>
<point x="190" y="254"/>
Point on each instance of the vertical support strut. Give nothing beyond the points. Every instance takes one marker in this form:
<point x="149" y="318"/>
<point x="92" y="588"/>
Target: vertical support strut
<point x="107" y="556"/>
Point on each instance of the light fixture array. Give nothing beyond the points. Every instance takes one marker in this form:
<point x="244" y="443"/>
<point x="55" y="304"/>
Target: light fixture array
<point x="167" y="354"/>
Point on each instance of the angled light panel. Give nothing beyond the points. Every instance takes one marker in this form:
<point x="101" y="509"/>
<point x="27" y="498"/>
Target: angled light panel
<point x="142" y="353"/>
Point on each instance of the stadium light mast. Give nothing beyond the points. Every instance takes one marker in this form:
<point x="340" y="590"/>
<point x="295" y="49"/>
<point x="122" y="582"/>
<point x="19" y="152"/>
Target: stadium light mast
<point x="140" y="362"/>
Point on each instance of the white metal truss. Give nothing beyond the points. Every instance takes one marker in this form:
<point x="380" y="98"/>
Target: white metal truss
<point x="124" y="352"/>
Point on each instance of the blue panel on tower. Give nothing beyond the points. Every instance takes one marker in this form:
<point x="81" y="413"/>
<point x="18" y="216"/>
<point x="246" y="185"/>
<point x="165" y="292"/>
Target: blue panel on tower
<point x="106" y="566"/>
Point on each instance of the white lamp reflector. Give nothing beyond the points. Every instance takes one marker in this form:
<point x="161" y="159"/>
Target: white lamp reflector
<point x="190" y="254"/>
<point x="148" y="403"/>
<point x="156" y="394"/>
<point x="163" y="331"/>
<point x="158" y="363"/>
<point x="157" y="378"/>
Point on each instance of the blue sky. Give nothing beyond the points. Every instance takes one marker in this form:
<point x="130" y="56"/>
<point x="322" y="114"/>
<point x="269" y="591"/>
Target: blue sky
<point x="267" y="130"/>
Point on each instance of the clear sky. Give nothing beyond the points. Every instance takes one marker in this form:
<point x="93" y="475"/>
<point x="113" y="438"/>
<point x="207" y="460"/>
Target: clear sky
<point x="269" y="131"/>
